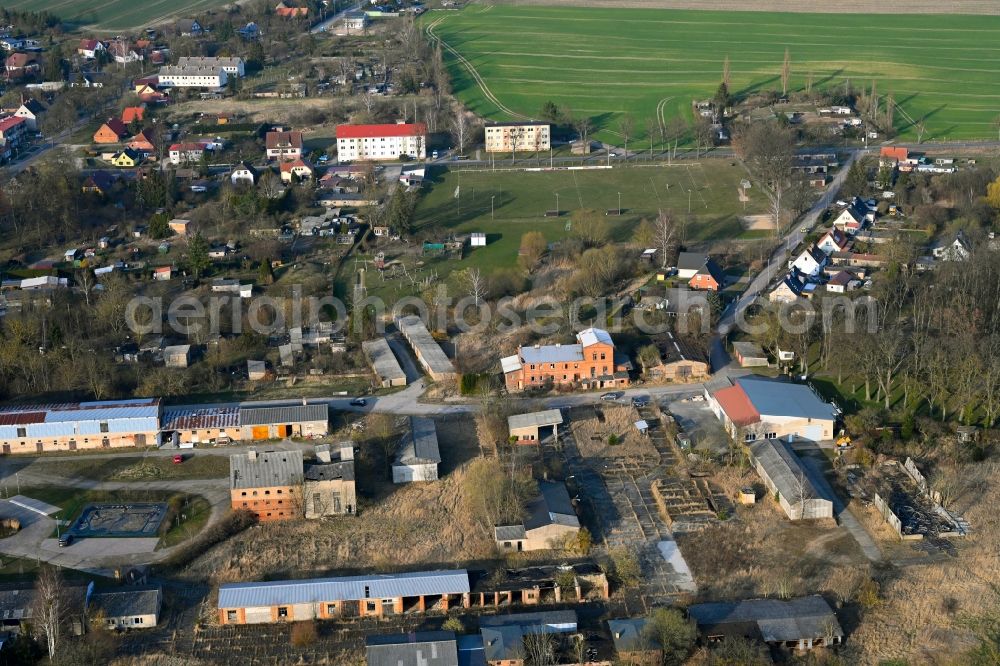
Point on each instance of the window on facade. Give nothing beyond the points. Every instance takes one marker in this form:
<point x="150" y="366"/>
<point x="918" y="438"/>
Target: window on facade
<point x="255" y="493"/>
<point x="279" y="492"/>
<point x="593" y="357"/>
<point x="244" y="493"/>
<point x="231" y="616"/>
<point x="370" y="606"/>
<point x="22" y="432"/>
<point x="602" y="356"/>
<point x="331" y="609"/>
<point x="104" y="426"/>
<point x="282" y="611"/>
<point x="267" y="492"/>
<point x="137" y="620"/>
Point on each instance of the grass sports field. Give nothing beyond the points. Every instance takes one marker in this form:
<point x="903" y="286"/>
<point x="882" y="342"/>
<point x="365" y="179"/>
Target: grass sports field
<point x="653" y="62"/>
<point x="117" y="14"/>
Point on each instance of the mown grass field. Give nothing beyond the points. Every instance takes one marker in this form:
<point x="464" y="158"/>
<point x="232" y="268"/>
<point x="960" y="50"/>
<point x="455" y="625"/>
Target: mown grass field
<point x="117" y="14"/>
<point x="605" y="62"/>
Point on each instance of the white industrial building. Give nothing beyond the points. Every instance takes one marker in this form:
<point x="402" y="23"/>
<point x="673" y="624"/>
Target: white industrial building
<point x="174" y="76"/>
<point x="231" y="66"/>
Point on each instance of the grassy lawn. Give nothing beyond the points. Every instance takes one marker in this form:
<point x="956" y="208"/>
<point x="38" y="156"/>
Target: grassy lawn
<point x="604" y="62"/>
<point x="279" y="391"/>
<point x="132" y="468"/>
<point x="193" y="515"/>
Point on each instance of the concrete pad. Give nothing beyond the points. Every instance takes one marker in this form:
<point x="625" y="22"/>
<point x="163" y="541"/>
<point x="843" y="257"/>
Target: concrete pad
<point x="100" y="548"/>
<point x="672" y="554"/>
<point x="38" y="506"/>
<point x="8" y="509"/>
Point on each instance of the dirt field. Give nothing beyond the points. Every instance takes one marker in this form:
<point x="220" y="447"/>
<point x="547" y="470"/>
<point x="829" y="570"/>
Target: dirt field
<point x="591" y="432"/>
<point x="842" y="7"/>
<point x="736" y="559"/>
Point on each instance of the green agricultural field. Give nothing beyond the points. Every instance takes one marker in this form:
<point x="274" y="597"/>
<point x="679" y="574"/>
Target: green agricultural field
<point x="604" y="62"/>
<point x="117" y="14"/>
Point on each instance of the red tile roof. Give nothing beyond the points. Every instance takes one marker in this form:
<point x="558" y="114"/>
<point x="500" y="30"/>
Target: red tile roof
<point x="376" y="131"/>
<point x="281" y="139"/>
<point x="133" y="113"/>
<point x="9" y="123"/>
<point x="116" y="126"/>
<point x="894" y="152"/>
<point x="186" y="147"/>
<point x="22" y="418"/>
<point x="737" y="406"/>
<point x="286" y="167"/>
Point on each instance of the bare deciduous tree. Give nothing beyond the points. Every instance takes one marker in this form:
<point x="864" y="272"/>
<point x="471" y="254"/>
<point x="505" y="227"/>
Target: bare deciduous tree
<point x="664" y="235"/>
<point x="786" y="72"/>
<point x="460" y="130"/>
<point x="49" y="610"/>
<point x="477" y="284"/>
<point x="725" y="71"/>
<point x="767" y="151"/>
<point x="625" y="127"/>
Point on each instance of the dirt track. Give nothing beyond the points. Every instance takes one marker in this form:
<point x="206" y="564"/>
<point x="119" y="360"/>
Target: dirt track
<point x="838" y="7"/>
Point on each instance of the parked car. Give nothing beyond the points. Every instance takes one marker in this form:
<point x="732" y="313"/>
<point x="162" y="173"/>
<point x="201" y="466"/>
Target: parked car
<point x="178" y="459"/>
<point x="65" y="540"/>
<point x="611" y="396"/>
<point x="359" y="402"/>
<point x="640" y="401"/>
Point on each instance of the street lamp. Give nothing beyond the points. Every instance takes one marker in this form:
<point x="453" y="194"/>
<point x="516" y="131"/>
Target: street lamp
<point x="689" y="201"/>
<point x="491" y="205"/>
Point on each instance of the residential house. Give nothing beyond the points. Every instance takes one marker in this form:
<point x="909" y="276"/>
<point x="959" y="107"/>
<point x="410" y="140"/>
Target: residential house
<point x="834" y="240"/>
<point x="551" y="521"/>
<point x="853" y="217"/>
<point x="892" y="155"/>
<point x="126" y="607"/>
<point x="593" y="362"/>
<point x="789" y="290"/>
<point x="141" y="143"/>
<point x="90" y="48"/>
<point x="185" y="153"/>
<point x="810" y="262"/>
<point x="355" y="21"/>
<point x="133" y="114"/>
<point x="9" y="43"/>
<point x="534" y="427"/>
<point x="249" y="32"/>
<point x="291" y="9"/>
<point x="802" y="623"/>
<point x="244" y="173"/>
<point x="162" y="273"/>
<point x="174" y="76"/>
<point x="381" y="142"/>
<point x="749" y="354"/>
<point x="752" y="407"/>
<point x="634" y="645"/>
<point x="19" y="65"/>
<point x="269" y="484"/>
<point x="418" y="456"/>
<point x="112" y="131"/>
<point x="296" y="170"/>
<point x="709" y="277"/>
<point x="98" y="182"/>
<point x="418" y="648"/>
<point x="188" y="28"/>
<point x="123" y="52"/>
<point x="30" y="110"/>
<point x="328" y="487"/>
<point x="842" y="281"/>
<point x="372" y="595"/>
<point x="680" y="359"/>
<point x="959" y="249"/>
<point x="13" y="130"/>
<point x="126" y="159"/>
<point x="522" y="136"/>
<point x="283" y="145"/>
<point x="689" y="263"/>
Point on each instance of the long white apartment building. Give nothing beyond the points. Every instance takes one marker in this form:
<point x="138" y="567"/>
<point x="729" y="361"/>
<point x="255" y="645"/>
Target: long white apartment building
<point x="522" y="137"/>
<point x="231" y="66"/>
<point x="381" y="142"/>
<point x="174" y="76"/>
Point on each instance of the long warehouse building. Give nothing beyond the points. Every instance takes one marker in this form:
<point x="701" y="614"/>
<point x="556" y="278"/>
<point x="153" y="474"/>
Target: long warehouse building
<point x="374" y="595"/>
<point x="428" y="352"/>
<point x="106" y="424"/>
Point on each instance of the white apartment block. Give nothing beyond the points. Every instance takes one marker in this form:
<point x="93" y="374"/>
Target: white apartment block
<point x="231" y="66"/>
<point x="192" y="77"/>
<point x="381" y="142"/>
<point x="527" y="137"/>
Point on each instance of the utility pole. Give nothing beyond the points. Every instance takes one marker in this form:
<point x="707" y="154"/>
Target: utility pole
<point x="689" y="201"/>
<point x="491" y="206"/>
<point x="557" y="215"/>
<point x="619" y="204"/>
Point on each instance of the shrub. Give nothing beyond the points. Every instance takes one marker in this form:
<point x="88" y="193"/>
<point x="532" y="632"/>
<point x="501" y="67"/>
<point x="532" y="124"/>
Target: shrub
<point x="453" y="623"/>
<point x="303" y="633"/>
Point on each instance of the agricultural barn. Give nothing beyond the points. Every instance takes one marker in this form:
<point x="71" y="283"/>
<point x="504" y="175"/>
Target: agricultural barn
<point x="384" y="364"/>
<point x="418" y="456"/>
<point x="802" y="623"/>
<point x="755" y="407"/>
<point x="680" y="359"/>
<point x="219" y="425"/>
<point x="80" y="425"/>
<point x="375" y="595"/>
<point x="785" y="477"/>
<point x="428" y="352"/>
<point x="127" y="607"/>
<point x="281" y="422"/>
<point x="269" y="484"/>
<point x="551" y="520"/>
<point x="19" y="603"/>
<point x="419" y="648"/>
<point x="532" y="428"/>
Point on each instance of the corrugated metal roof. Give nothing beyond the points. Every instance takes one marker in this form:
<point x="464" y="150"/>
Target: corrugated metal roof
<point x="805" y="617"/>
<point x="552" y="354"/>
<point x="534" y="419"/>
<point x="286" y="414"/>
<point x="429" y="352"/>
<point x="422" y="648"/>
<point x="383" y="361"/>
<point x="510" y="364"/>
<point x="200" y="419"/>
<point x="785" y="470"/>
<point x="269" y="469"/>
<point x="777" y="398"/>
<point x="420" y="444"/>
<point x="594" y="336"/>
<point x="347" y="588"/>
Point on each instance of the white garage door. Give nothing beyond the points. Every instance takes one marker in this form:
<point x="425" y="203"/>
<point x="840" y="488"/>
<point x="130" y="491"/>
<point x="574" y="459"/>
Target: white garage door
<point x="813" y="432"/>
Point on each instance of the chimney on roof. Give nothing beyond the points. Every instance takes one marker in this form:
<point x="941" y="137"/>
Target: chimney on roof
<point x="252" y="455"/>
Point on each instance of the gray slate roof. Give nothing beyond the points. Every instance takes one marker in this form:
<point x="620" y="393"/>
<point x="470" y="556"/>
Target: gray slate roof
<point x="287" y="414"/>
<point x="690" y="261"/>
<point x="551" y="506"/>
<point x="420" y="444"/>
<point x="346" y="588"/>
<point x="629" y="635"/>
<point x="271" y="468"/>
<point x="128" y="601"/>
<point x="777" y="620"/>
<point x="534" y="419"/>
<point x="383" y="361"/>
<point x="421" y="648"/>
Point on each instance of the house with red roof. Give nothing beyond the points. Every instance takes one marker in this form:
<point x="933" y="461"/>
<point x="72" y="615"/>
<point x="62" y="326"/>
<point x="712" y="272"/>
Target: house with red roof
<point x="181" y="153"/>
<point x="709" y="277"/>
<point x="22" y="64"/>
<point x="89" y="48"/>
<point x="381" y="142"/>
<point x="290" y="9"/>
<point x="299" y="169"/>
<point x="834" y="240"/>
<point x="133" y="114"/>
<point x="112" y="131"/>
<point x="753" y="407"/>
<point x="283" y="145"/>
<point x="141" y="143"/>
<point x="12" y="130"/>
<point x="893" y="155"/>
